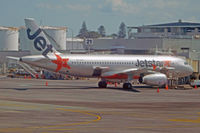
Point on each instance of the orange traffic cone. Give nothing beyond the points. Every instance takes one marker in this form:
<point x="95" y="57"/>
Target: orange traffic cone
<point x="46" y="83"/>
<point x="36" y="76"/>
<point x="195" y="86"/>
<point x="166" y="87"/>
<point x="115" y="84"/>
<point x="158" y="90"/>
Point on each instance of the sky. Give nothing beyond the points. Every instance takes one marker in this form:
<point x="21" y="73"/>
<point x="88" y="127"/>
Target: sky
<point x="109" y="13"/>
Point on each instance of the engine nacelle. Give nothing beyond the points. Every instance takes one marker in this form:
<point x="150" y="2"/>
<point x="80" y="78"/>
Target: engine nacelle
<point x="157" y="79"/>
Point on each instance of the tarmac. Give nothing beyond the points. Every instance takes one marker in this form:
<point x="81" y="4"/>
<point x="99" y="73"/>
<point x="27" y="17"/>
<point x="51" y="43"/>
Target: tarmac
<point x="79" y="106"/>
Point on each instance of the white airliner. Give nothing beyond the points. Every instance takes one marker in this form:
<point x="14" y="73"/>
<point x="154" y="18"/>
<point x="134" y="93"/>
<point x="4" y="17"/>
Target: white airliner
<point x="152" y="69"/>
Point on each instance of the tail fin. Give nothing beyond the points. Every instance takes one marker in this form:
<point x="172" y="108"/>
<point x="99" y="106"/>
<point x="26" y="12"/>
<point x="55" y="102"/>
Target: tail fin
<point x="38" y="40"/>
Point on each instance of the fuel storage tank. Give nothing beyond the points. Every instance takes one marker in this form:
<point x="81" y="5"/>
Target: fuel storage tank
<point x="9" y="39"/>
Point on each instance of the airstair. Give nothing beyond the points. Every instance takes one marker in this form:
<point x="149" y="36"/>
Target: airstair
<point x="28" y="69"/>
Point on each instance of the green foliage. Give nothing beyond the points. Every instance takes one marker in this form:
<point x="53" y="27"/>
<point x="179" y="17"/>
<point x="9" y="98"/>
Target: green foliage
<point x="83" y="31"/>
<point x="93" y="34"/>
<point x="101" y="31"/>
<point x="114" y="36"/>
<point x="122" y="30"/>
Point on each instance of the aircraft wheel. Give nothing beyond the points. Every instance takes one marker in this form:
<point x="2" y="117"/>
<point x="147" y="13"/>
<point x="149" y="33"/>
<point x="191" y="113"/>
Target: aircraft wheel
<point x="102" y="84"/>
<point x="127" y="86"/>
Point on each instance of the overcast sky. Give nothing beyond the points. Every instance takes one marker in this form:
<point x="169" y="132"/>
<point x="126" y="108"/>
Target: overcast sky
<point x="110" y="13"/>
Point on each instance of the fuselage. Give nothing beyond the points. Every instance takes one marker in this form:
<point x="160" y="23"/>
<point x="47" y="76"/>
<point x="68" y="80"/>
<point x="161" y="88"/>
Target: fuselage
<point x="84" y="65"/>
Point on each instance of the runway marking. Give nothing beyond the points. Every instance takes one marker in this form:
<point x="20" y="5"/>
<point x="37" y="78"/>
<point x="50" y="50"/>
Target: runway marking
<point x="187" y="120"/>
<point x="11" y="111"/>
<point x="142" y="115"/>
<point x="175" y="126"/>
<point x="4" y="130"/>
<point x="60" y="129"/>
<point x="28" y="129"/>
<point x="16" y="105"/>
<point x="98" y="118"/>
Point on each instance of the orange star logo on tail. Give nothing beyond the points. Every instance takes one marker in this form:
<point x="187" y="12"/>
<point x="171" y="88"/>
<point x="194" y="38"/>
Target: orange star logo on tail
<point x="61" y="63"/>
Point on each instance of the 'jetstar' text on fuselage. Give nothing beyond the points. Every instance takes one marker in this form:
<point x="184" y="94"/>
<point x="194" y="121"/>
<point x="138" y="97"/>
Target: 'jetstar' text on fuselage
<point x="149" y="63"/>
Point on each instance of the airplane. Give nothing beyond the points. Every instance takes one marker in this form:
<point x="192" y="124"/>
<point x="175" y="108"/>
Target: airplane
<point x="154" y="70"/>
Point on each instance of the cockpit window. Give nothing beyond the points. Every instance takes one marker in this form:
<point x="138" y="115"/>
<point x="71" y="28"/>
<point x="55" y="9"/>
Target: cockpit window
<point x="185" y="63"/>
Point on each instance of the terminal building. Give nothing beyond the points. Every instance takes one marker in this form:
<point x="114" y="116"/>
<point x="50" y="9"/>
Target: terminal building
<point x="169" y="30"/>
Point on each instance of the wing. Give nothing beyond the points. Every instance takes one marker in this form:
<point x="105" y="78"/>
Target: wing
<point x="123" y="74"/>
<point x="132" y="73"/>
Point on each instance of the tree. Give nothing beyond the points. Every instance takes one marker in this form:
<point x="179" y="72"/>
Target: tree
<point x="83" y="31"/>
<point x="101" y="31"/>
<point x="122" y="30"/>
<point x="114" y="36"/>
<point x="93" y="34"/>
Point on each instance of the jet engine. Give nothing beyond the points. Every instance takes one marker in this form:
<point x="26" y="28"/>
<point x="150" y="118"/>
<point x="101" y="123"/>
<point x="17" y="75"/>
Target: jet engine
<point x="157" y="79"/>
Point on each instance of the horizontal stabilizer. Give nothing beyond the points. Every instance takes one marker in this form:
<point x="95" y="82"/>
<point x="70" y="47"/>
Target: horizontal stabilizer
<point x="12" y="58"/>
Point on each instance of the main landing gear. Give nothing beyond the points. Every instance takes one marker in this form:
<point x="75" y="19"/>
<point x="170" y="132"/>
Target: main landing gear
<point x="102" y="84"/>
<point x="127" y="86"/>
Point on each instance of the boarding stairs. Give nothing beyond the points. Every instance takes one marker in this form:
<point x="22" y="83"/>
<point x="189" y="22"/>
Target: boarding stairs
<point x="28" y="69"/>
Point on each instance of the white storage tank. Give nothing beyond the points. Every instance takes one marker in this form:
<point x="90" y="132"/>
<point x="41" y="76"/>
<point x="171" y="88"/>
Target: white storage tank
<point x="9" y="39"/>
<point x="57" y="33"/>
<point x="24" y="44"/>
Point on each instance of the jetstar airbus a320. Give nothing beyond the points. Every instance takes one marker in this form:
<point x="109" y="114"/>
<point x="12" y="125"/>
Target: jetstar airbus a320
<point x="156" y="69"/>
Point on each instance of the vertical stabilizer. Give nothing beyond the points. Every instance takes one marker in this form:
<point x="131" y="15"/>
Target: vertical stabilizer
<point x="39" y="42"/>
